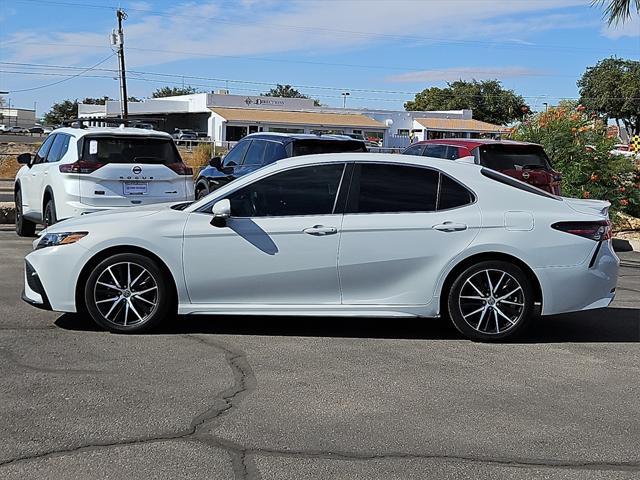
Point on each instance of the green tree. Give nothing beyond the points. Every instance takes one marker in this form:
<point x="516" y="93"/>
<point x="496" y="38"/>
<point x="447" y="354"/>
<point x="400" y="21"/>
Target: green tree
<point x="96" y="101"/>
<point x="59" y="112"/>
<point x="618" y="11"/>
<point x="612" y="89"/>
<point x="489" y="101"/>
<point x="173" y="91"/>
<point x="287" y="91"/>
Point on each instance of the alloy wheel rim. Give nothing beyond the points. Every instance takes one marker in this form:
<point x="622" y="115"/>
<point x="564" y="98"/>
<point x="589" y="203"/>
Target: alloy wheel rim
<point x="491" y="301"/>
<point x="126" y="294"/>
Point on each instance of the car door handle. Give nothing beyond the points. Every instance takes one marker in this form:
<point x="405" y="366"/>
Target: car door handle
<point x="450" y="227"/>
<point x="320" y="230"/>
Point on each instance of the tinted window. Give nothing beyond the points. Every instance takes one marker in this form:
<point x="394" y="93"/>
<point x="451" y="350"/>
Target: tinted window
<point x="513" y="157"/>
<point x="435" y="151"/>
<point x="452" y="153"/>
<point x="311" y="147"/>
<point x="384" y="188"/>
<point x="274" y="151"/>
<point x="255" y="153"/>
<point x="235" y="156"/>
<point x="414" y="150"/>
<point x="122" y="149"/>
<point x="59" y="148"/>
<point x="44" y="149"/>
<point x="452" y="194"/>
<point x="302" y="191"/>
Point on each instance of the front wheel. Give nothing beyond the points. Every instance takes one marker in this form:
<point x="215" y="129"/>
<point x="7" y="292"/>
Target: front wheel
<point x="128" y="293"/>
<point x="490" y="301"/>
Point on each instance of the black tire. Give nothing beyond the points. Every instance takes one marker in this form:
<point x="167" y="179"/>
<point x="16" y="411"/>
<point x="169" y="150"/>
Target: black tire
<point x="24" y="227"/>
<point x="49" y="214"/>
<point x="110" y="307"/>
<point x="491" y="316"/>
<point x="201" y="192"/>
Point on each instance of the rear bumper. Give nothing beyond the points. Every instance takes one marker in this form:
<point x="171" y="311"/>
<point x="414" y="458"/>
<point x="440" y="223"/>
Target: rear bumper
<point x="589" y="285"/>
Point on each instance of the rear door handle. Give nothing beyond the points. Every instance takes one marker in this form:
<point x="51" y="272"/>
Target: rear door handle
<point x="320" y="230"/>
<point x="450" y="227"/>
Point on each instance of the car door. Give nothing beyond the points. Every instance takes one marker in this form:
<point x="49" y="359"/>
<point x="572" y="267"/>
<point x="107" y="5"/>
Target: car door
<point x="402" y="226"/>
<point x="32" y="181"/>
<point x="280" y="245"/>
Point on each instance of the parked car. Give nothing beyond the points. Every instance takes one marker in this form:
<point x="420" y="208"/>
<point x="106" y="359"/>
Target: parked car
<point x="83" y="170"/>
<point x="348" y="234"/>
<point x="183" y="134"/>
<point x="525" y="161"/>
<point x="47" y="130"/>
<point x="36" y="129"/>
<point x="259" y="149"/>
<point x="18" y="130"/>
<point x="4" y="128"/>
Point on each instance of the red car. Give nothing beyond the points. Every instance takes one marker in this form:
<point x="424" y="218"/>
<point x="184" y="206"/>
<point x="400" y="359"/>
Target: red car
<point x="527" y="162"/>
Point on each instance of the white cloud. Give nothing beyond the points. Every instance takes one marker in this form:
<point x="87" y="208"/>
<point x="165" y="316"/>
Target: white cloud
<point x="630" y="28"/>
<point x="463" y="73"/>
<point x="205" y="28"/>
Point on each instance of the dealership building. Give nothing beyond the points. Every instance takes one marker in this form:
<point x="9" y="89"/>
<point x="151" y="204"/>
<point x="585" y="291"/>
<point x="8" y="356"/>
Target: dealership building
<point x="227" y="118"/>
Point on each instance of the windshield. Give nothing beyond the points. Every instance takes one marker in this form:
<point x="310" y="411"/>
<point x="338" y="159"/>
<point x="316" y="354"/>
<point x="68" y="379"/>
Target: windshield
<point x="513" y="157"/>
<point x="312" y="147"/>
<point x="122" y="149"/>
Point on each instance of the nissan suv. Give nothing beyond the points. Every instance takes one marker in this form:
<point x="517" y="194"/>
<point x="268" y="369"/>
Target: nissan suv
<point x="83" y="170"/>
<point x="527" y="162"/>
<point x="259" y="149"/>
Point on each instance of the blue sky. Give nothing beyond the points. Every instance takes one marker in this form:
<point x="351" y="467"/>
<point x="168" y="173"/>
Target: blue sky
<point x="381" y="51"/>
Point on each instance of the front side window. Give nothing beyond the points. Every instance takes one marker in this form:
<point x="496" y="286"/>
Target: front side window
<point x="308" y="190"/>
<point x="58" y="148"/>
<point x="414" y="150"/>
<point x="236" y="154"/>
<point x="435" y="151"/>
<point x="255" y="153"/>
<point x="386" y="188"/>
<point x="44" y="149"/>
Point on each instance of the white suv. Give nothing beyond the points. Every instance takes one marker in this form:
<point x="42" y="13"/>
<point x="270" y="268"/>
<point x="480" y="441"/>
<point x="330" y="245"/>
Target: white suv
<point x="84" y="170"/>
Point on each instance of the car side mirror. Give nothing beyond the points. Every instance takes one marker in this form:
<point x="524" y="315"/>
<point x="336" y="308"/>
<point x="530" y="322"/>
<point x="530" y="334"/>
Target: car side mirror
<point x="216" y="162"/>
<point x="24" y="159"/>
<point x="221" y="212"/>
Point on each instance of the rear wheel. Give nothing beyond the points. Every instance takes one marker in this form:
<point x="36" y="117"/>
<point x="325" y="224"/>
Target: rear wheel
<point x="49" y="216"/>
<point x="128" y="293"/>
<point x="24" y="227"/>
<point x="490" y="301"/>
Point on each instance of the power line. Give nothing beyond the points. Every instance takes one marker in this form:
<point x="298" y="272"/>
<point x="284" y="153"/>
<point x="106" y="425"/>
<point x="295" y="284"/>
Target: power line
<point x="63" y="80"/>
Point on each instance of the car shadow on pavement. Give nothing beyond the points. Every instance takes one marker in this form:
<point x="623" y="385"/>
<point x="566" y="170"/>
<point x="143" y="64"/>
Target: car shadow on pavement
<point x="605" y="325"/>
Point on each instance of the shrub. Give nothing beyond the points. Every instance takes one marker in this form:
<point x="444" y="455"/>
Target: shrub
<point x="579" y="148"/>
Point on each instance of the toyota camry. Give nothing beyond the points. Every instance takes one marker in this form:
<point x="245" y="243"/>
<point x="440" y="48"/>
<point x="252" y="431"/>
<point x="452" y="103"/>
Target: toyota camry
<point x="352" y="234"/>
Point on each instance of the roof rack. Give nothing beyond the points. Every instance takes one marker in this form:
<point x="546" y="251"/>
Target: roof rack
<point x="80" y="122"/>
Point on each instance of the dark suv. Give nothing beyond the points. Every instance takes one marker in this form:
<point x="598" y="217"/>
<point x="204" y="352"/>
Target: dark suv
<point x="527" y="162"/>
<point x="260" y="149"/>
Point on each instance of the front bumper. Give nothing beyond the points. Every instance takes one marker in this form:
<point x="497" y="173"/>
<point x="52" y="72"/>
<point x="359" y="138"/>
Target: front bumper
<point x="33" y="292"/>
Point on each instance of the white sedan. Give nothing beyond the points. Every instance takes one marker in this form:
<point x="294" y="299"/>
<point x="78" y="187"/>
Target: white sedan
<point x="365" y="234"/>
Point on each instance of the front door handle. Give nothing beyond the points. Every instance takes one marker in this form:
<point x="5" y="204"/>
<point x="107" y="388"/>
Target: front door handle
<point x="320" y="230"/>
<point x="450" y="227"/>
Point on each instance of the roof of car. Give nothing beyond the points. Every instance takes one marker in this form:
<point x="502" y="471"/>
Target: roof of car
<point x="129" y="131"/>
<point x="472" y="142"/>
<point x="300" y="136"/>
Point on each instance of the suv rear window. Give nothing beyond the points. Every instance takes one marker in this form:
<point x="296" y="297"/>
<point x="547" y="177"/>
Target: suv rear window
<point x="122" y="149"/>
<point x="513" y="157"/>
<point x="312" y="147"/>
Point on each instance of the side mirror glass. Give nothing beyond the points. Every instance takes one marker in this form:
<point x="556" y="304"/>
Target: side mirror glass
<point x="221" y="212"/>
<point x="24" y="158"/>
<point x="216" y="162"/>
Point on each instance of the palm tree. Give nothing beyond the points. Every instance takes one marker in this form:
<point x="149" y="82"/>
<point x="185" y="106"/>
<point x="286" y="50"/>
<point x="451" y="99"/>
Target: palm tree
<point x="618" y="11"/>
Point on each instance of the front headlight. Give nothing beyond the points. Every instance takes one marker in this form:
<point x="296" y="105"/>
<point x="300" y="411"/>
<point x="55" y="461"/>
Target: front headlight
<point x="64" y="238"/>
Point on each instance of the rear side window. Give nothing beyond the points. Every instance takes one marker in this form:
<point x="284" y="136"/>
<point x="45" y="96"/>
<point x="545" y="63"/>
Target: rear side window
<point x="513" y="157"/>
<point x="435" y="151"/>
<point x="312" y="147"/>
<point x="274" y="151"/>
<point x="386" y="188"/>
<point x="59" y="148"/>
<point x="308" y="190"/>
<point x="122" y="149"/>
<point x="452" y="194"/>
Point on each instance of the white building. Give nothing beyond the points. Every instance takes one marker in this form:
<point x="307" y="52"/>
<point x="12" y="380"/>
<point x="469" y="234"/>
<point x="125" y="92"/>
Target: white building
<point x="228" y="118"/>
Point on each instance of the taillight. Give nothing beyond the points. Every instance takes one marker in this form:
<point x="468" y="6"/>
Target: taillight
<point x="81" y="166"/>
<point x="596" y="231"/>
<point x="180" y="168"/>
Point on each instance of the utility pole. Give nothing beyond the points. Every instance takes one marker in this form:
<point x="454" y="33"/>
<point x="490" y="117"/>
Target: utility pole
<point x="124" y="107"/>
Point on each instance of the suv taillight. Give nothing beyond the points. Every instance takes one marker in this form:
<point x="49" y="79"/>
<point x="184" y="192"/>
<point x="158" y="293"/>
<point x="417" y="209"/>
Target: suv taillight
<point x="596" y="231"/>
<point x="81" y="166"/>
<point x="180" y="168"/>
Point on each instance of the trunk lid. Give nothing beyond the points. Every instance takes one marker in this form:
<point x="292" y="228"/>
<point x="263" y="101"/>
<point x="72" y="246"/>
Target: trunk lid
<point x="590" y="207"/>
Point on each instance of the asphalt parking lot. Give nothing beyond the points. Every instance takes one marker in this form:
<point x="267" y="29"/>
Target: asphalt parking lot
<point x="285" y="398"/>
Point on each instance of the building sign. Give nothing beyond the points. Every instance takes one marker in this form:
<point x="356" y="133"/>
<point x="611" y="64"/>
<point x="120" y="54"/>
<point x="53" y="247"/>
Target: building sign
<point x="262" y="103"/>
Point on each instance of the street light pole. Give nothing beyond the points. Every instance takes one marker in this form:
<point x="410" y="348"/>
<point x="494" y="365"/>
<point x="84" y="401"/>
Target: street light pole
<point x="344" y="99"/>
<point x="124" y="107"/>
